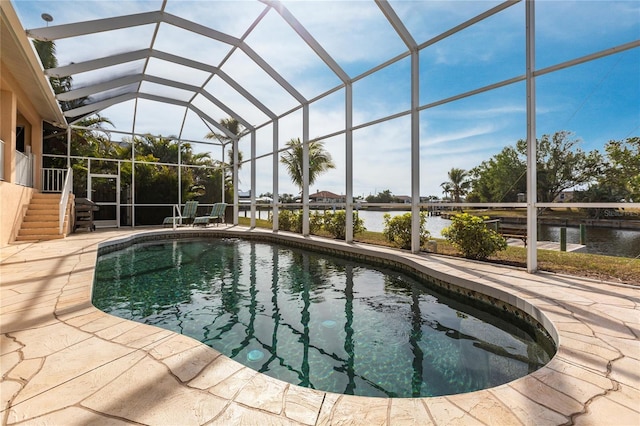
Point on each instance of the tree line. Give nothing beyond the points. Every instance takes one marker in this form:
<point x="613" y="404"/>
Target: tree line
<point x="561" y="165"/>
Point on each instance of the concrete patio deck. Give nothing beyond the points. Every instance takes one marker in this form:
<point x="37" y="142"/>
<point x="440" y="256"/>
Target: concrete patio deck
<point x="63" y="362"/>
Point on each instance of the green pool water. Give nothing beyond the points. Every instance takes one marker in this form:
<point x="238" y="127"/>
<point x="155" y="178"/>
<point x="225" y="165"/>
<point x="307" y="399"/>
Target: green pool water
<point x="315" y="320"/>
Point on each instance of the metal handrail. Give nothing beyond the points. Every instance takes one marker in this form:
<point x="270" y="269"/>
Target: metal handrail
<point x="64" y="199"/>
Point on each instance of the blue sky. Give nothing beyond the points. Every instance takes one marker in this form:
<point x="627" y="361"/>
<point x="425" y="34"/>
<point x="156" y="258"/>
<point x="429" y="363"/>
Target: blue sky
<point x="597" y="101"/>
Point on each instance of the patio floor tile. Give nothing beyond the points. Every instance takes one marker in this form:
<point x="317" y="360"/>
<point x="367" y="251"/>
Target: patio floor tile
<point x="64" y="362"/>
<point x="146" y="394"/>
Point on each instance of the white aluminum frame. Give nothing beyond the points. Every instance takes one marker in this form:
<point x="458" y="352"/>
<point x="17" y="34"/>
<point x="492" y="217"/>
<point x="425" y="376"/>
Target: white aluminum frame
<point x="346" y="82"/>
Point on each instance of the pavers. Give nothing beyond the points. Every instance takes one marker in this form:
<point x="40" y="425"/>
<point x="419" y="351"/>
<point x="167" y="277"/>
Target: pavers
<point x="63" y="361"/>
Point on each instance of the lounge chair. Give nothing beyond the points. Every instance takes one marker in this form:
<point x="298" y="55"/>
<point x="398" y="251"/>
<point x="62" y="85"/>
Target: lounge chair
<point x="217" y="213"/>
<point x="187" y="215"/>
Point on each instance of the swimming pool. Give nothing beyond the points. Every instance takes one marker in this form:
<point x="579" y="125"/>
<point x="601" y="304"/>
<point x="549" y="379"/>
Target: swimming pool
<point x="315" y="320"/>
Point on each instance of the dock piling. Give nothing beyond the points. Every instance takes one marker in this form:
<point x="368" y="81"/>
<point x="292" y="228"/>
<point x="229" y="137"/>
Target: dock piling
<point x="583" y="234"/>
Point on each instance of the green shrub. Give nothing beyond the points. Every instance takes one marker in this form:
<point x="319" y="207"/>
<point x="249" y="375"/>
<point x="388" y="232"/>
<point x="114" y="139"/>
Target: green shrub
<point x="316" y="221"/>
<point x="470" y="235"/>
<point x="292" y="221"/>
<point x="289" y="220"/>
<point x="336" y="223"/>
<point x="397" y="229"/>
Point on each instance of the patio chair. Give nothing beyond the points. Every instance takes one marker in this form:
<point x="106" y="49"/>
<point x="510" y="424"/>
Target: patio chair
<point x="188" y="214"/>
<point x="217" y="213"/>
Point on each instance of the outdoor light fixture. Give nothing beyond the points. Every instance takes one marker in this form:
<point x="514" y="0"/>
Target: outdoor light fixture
<point x="47" y="18"/>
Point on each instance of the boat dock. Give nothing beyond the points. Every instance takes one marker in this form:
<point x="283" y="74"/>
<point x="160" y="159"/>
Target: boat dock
<point x="546" y="245"/>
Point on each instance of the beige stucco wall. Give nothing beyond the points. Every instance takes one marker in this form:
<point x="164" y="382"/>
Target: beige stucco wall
<point x="16" y="109"/>
<point x="14" y="201"/>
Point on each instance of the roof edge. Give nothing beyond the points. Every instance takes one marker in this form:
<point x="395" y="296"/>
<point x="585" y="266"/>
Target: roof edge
<point x="51" y="112"/>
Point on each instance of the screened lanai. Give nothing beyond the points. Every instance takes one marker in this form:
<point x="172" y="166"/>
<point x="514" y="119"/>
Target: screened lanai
<point x="399" y="93"/>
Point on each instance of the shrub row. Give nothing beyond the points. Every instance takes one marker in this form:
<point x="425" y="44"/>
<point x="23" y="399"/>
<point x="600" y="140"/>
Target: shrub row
<point x="467" y="233"/>
<point x="333" y="223"/>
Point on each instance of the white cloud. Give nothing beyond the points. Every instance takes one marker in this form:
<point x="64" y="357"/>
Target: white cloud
<point x="456" y="135"/>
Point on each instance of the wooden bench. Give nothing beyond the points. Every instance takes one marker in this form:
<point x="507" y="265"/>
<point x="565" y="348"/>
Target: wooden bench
<point x="513" y="231"/>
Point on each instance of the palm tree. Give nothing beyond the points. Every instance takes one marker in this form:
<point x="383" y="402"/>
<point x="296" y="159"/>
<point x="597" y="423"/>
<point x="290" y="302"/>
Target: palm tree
<point x="47" y="52"/>
<point x="459" y="185"/>
<point x="319" y="161"/>
<point x="446" y="188"/>
<point x="234" y="127"/>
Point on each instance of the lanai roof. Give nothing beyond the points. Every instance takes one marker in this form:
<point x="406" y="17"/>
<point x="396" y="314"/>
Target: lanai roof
<point x="176" y="67"/>
<point x="146" y="60"/>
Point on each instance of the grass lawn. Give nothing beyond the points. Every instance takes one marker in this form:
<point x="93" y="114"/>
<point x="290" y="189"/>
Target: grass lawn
<point x="608" y="268"/>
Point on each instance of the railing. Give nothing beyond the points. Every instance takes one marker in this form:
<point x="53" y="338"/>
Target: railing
<point x="24" y="169"/>
<point x="53" y="180"/>
<point x="176" y="214"/>
<point x="64" y="199"/>
<point x="1" y="159"/>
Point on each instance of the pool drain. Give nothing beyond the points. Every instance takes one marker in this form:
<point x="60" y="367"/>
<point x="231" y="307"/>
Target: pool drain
<point x="255" y="355"/>
<point x="328" y="324"/>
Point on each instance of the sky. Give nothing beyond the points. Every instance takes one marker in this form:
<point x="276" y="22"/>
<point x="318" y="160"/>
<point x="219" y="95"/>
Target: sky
<point x="597" y="101"/>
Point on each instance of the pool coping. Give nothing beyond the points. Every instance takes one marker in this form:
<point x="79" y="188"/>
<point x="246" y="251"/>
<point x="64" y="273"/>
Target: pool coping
<point x="62" y="358"/>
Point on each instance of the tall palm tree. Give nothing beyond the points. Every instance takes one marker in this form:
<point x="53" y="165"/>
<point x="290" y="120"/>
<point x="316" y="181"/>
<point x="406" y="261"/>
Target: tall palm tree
<point x="458" y="183"/>
<point x="319" y="161"/>
<point x="234" y="127"/>
<point x="47" y="52"/>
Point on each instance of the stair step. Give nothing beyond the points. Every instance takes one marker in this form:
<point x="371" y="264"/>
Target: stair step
<point x="39" y="231"/>
<point x="42" y="217"/>
<point x="50" y="210"/>
<point x="39" y="237"/>
<point x="45" y="202"/>
<point x="52" y="207"/>
<point x="45" y="196"/>
<point x="46" y="212"/>
<point x="40" y="224"/>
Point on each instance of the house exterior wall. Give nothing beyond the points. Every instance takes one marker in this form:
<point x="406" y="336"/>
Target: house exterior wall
<point x="13" y="206"/>
<point x="16" y="109"/>
<point x="8" y="108"/>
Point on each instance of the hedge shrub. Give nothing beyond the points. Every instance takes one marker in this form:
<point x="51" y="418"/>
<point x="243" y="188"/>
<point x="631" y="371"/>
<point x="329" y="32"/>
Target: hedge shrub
<point x="336" y="224"/>
<point x="472" y="237"/>
<point x="333" y="223"/>
<point x="397" y="229"/>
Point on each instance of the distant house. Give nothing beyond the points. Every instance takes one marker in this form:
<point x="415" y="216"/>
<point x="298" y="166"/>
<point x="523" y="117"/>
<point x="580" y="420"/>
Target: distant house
<point x="244" y="197"/>
<point x="564" y="197"/>
<point x="406" y="199"/>
<point x="327" y="197"/>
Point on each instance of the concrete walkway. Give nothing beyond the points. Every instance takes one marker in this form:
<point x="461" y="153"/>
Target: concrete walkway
<point x="63" y="362"/>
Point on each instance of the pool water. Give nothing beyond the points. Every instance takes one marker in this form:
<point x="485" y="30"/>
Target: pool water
<point x="315" y="320"/>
